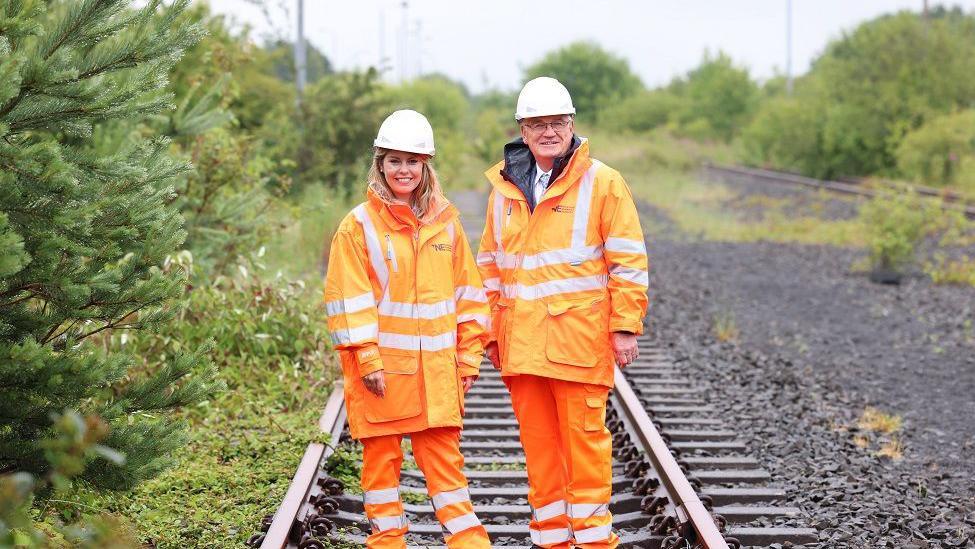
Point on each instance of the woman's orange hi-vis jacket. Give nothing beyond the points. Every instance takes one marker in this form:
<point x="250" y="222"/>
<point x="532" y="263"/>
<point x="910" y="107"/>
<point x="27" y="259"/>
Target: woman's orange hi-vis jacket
<point x="560" y="279"/>
<point x="405" y="297"/>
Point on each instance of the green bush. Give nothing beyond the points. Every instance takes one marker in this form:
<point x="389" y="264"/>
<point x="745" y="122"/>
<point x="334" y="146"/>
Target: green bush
<point x="894" y="225"/>
<point x="269" y="345"/>
<point x="937" y="153"/>
<point x="717" y="99"/>
<point x="642" y="111"/>
<point x="870" y="89"/>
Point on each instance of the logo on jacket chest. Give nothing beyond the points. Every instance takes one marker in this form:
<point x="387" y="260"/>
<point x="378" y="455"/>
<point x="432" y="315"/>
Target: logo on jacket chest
<point x="443" y="247"/>
<point x="564" y="209"/>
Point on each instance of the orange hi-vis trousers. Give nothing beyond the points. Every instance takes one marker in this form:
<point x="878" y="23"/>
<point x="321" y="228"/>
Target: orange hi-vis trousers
<point x="568" y="451"/>
<point x="437" y="453"/>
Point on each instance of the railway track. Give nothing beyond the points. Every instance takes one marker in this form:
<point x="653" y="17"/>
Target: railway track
<point x="853" y="186"/>
<point x="681" y="479"/>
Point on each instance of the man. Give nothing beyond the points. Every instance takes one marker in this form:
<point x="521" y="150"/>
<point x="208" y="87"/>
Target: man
<point x="564" y="262"/>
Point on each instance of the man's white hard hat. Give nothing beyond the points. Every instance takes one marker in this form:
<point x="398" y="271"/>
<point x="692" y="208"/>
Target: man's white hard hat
<point x="407" y="131"/>
<point x="543" y="96"/>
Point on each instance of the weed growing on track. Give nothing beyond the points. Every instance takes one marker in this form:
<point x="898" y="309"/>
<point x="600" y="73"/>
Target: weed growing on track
<point x="725" y="326"/>
<point x="345" y="464"/>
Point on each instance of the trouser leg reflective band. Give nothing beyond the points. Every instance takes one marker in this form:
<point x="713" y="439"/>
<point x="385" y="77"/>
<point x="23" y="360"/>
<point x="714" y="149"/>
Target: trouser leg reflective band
<point x="381" y="461"/>
<point x="437" y="453"/>
<point x="534" y="406"/>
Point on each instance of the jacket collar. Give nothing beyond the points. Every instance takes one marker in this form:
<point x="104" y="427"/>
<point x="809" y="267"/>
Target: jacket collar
<point x="514" y="176"/>
<point x="398" y="215"/>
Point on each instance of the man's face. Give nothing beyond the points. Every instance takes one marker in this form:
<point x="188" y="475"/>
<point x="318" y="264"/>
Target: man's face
<point x="544" y="139"/>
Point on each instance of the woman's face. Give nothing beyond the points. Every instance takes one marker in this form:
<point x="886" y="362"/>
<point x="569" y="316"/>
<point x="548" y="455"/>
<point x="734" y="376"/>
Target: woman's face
<point x="403" y="172"/>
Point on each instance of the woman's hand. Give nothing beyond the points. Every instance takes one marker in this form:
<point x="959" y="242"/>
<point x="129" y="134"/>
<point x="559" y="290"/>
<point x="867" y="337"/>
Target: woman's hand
<point x="468" y="382"/>
<point x="375" y="383"/>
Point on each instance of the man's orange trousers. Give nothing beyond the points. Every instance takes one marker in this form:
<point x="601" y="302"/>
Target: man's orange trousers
<point x="437" y="453"/>
<point x="568" y="450"/>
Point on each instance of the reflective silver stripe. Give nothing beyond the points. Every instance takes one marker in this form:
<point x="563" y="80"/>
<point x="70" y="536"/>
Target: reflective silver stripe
<point x="545" y="537"/>
<point x="485" y="258"/>
<point x="451" y="233"/>
<point x="506" y="261"/>
<point x="553" y="287"/>
<point x="565" y="255"/>
<point x="625" y="245"/>
<point x="355" y="335"/>
<point x="580" y="222"/>
<point x="415" y="343"/>
<point x="373" y="247"/>
<point x="549" y="511"/>
<point x="386" y="495"/>
<point x="426" y="311"/>
<point x="483" y="320"/>
<point x="461" y="523"/>
<point x="636" y="276"/>
<point x="586" y="510"/>
<point x="470" y="293"/>
<point x="592" y="535"/>
<point x="498" y="211"/>
<point x="350" y="304"/>
<point x="492" y="284"/>
<point x="381" y="524"/>
<point x="459" y="495"/>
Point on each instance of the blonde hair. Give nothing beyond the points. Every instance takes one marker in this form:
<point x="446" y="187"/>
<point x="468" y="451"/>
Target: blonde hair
<point x="421" y="199"/>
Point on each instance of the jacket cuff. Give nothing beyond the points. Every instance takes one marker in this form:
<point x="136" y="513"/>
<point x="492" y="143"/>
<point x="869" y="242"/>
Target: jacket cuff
<point x="368" y="360"/>
<point x="472" y="360"/>
<point x="467" y="371"/>
<point x="623" y="325"/>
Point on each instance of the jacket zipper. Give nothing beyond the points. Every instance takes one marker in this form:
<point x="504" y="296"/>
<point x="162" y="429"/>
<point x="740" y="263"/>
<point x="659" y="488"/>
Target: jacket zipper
<point x="389" y="253"/>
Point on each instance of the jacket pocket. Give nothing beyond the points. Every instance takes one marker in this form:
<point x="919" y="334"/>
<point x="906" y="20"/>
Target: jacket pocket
<point x="402" y="398"/>
<point x="574" y="332"/>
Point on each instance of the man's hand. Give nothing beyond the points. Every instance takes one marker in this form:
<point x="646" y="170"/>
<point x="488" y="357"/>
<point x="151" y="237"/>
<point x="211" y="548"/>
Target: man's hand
<point x="468" y="382"/>
<point x="625" y="348"/>
<point x="375" y="383"/>
<point x="492" y="353"/>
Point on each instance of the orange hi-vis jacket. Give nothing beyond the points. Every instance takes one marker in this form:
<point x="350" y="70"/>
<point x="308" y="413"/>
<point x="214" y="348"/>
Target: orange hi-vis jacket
<point x="560" y="279"/>
<point x="405" y="297"/>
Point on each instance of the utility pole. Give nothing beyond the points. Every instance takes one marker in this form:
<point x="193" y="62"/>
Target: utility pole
<point x="788" y="47"/>
<point x="925" y="12"/>
<point x="381" y="64"/>
<point x="404" y="43"/>
<point x="419" y="48"/>
<point x="301" y="69"/>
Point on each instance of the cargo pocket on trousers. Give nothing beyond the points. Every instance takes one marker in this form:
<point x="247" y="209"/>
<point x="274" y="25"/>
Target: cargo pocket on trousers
<point x="595" y="414"/>
<point x="402" y="398"/>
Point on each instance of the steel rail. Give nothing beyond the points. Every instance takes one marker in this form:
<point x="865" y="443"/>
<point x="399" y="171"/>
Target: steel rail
<point x="332" y="422"/>
<point x="950" y="201"/>
<point x="690" y="509"/>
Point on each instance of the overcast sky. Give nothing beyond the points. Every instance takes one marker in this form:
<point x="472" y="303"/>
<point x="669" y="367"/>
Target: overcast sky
<point x="485" y="44"/>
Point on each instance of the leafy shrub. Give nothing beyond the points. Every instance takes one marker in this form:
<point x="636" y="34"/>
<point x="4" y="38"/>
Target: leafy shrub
<point x="937" y="152"/>
<point x="641" y="112"/>
<point x="718" y="98"/>
<point x="894" y="224"/>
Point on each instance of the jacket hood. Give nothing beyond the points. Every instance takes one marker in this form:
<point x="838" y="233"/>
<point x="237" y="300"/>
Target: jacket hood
<point x="519" y="165"/>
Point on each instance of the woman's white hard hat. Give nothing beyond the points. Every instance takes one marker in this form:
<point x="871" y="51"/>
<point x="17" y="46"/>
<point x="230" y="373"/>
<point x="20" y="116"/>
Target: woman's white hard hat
<point x="543" y="96"/>
<point x="407" y="131"/>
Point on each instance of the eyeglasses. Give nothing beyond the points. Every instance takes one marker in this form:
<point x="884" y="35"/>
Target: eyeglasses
<point x="539" y="127"/>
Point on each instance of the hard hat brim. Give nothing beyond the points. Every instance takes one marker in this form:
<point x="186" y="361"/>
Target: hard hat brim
<point x="404" y="148"/>
<point x="521" y="116"/>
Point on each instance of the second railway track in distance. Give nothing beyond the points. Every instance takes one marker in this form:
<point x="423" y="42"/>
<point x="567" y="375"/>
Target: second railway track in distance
<point x="679" y="474"/>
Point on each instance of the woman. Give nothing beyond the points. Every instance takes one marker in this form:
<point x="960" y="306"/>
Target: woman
<point x="408" y="315"/>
